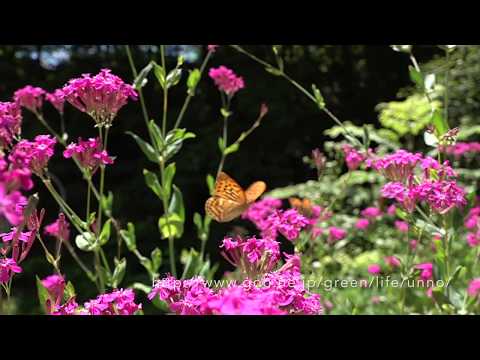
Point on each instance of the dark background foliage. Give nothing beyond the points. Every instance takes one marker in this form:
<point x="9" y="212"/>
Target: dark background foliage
<point x="353" y="79"/>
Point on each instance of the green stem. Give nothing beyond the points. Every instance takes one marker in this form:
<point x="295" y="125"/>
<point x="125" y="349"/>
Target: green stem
<point x="190" y="96"/>
<point x="224" y="156"/>
<point x="302" y="89"/>
<point x="165" y="93"/>
<point x="89" y="191"/>
<point x="140" y="92"/>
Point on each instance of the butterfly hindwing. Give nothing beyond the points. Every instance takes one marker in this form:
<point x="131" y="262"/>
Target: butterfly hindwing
<point x="223" y="210"/>
<point x="254" y="191"/>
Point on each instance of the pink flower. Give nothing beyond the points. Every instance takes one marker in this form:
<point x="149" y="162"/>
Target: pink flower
<point x="226" y="80"/>
<point x="59" y="229"/>
<point x="374" y="269"/>
<point x="33" y="154"/>
<point x="57" y="99"/>
<point x="289" y="223"/>
<point x="392" y="210"/>
<point x="362" y="224"/>
<point x="69" y="308"/>
<point x="55" y="285"/>
<point x="22" y="236"/>
<point x="427" y="270"/>
<point x="401" y="226"/>
<point x="371" y="212"/>
<point x="8" y="205"/>
<point x="10" y="122"/>
<point x="252" y="256"/>
<point x="352" y="157"/>
<point x="118" y="302"/>
<point x="260" y="211"/>
<point x="336" y="234"/>
<point x="100" y="96"/>
<point x="474" y="287"/>
<point x="7" y="267"/>
<point x="413" y="244"/>
<point x="397" y="167"/>
<point x="88" y="153"/>
<point x="212" y="48"/>
<point x="392" y="261"/>
<point x="30" y="97"/>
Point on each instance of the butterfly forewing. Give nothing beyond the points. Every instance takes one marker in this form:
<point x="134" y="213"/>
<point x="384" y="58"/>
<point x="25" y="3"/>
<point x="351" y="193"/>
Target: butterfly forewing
<point x="227" y="188"/>
<point x="254" y="191"/>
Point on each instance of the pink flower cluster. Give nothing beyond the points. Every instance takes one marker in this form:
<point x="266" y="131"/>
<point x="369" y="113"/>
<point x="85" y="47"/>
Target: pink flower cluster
<point x="277" y="293"/>
<point x="57" y="99"/>
<point x="88" y="153"/>
<point x="288" y="223"/>
<point x="33" y="155"/>
<point x="7" y="267"/>
<point x="252" y="256"/>
<point x="472" y="223"/>
<point x="226" y="80"/>
<point x="100" y="96"/>
<point x="55" y="286"/>
<point x="118" y="302"/>
<point x="398" y="166"/>
<point x="353" y="158"/>
<point x="260" y="211"/>
<point x="10" y="122"/>
<point x="474" y="288"/>
<point x="30" y="97"/>
<point x="462" y="148"/>
<point x="59" y="229"/>
<point x="439" y="192"/>
<point x="368" y="215"/>
<point x="336" y="234"/>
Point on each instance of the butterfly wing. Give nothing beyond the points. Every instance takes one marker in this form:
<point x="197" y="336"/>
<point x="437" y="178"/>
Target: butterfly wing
<point x="295" y="202"/>
<point x="254" y="191"/>
<point x="223" y="210"/>
<point x="228" y="189"/>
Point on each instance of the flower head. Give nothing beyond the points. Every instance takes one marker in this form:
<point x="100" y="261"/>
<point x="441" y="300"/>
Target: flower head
<point x="59" y="229"/>
<point x="88" y="153"/>
<point x="7" y="268"/>
<point x="30" y="97"/>
<point x="397" y="166"/>
<point x="426" y="270"/>
<point x="100" y="96"/>
<point x="374" y="269"/>
<point x="226" y="80"/>
<point x="352" y="157"/>
<point x="362" y="224"/>
<point x="33" y="155"/>
<point x="10" y="122"/>
<point x="474" y="287"/>
<point x="118" y="302"/>
<point x="336" y="234"/>
<point x="55" y="285"/>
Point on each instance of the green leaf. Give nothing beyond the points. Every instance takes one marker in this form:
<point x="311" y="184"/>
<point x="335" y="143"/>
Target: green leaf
<point x="173" y="77"/>
<point x="318" y="97"/>
<point x="141" y="79"/>
<point x="142" y="287"/>
<point x="105" y="233"/>
<point x="169" y="175"/>
<point x="274" y="71"/>
<point x="156" y="135"/>
<point x="176" y="203"/>
<point x="107" y="203"/>
<point x="156" y="256"/>
<point x="211" y="184"/>
<point x="225" y="113"/>
<point x="170" y="226"/>
<point x="232" y="148"/>
<point x="192" y="81"/>
<point x="147" y="149"/>
<point x="85" y="241"/>
<point x="221" y="145"/>
<point x="416" y="77"/>
<point x="129" y="237"/>
<point x="402" y="48"/>
<point x="118" y="272"/>
<point x="69" y="291"/>
<point x="153" y="183"/>
<point x="160" y="74"/>
<point x="439" y="122"/>
<point x="174" y="141"/>
<point x="42" y="293"/>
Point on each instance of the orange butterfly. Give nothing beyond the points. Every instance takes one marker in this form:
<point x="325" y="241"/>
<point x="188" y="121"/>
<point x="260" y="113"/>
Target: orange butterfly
<point x="304" y="206"/>
<point x="229" y="200"/>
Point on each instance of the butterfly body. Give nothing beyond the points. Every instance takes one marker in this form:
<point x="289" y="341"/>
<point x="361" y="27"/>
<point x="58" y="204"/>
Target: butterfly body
<point x="230" y="200"/>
